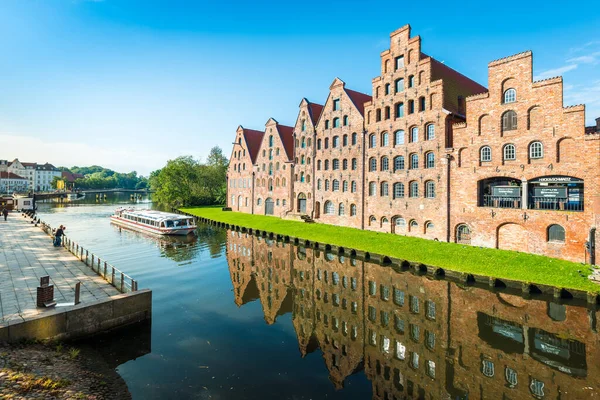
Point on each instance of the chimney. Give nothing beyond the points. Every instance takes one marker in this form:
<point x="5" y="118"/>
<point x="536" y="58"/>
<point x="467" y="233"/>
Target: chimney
<point x="597" y="124"/>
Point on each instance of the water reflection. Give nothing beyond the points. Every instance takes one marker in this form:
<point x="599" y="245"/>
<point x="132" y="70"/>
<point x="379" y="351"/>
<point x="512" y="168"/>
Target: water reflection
<point x="416" y="337"/>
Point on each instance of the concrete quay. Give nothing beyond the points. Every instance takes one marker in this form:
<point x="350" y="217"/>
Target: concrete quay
<point x="26" y="255"/>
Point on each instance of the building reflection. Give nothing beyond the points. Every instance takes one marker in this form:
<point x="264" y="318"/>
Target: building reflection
<point x="416" y="337"/>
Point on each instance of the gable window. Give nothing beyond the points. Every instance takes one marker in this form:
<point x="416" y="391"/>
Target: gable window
<point x="411" y="81"/>
<point x="303" y="125"/>
<point x="271" y="141"/>
<point x="326" y="143"/>
<point x="345" y="186"/>
<point x="335" y="142"/>
<point x="345" y="140"/>
<point x="387" y="112"/>
<point x="399" y="110"/>
<point x="399" y="137"/>
<point x="345" y="120"/>
<point x="509" y="121"/>
<point x="326" y="124"/>
<point x="345" y="164"/>
<point x="536" y="150"/>
<point x="399" y="62"/>
<point x="318" y="144"/>
<point x="336" y="104"/>
<point x="326" y="184"/>
<point x="510" y="96"/>
<point x="510" y="152"/>
<point x="387" y="88"/>
<point x="336" y="122"/>
<point x="326" y="165"/>
<point x="399" y="83"/>
<point x="303" y="143"/>
<point x="485" y="154"/>
<point x="318" y="165"/>
<point x="354" y="138"/>
<point x="378" y="115"/>
<point x="398" y="192"/>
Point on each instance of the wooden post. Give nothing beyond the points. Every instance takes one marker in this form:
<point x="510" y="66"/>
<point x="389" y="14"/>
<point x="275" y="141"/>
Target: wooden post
<point x="122" y="282"/>
<point x="105" y="268"/>
<point x="93" y="261"/>
<point x="132" y="285"/>
<point x="113" y="276"/>
<point x="87" y="254"/>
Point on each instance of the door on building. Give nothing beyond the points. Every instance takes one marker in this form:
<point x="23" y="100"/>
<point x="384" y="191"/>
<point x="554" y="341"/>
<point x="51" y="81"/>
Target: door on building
<point x="269" y="207"/>
<point x="302" y="203"/>
<point x="239" y="202"/>
<point x="317" y="210"/>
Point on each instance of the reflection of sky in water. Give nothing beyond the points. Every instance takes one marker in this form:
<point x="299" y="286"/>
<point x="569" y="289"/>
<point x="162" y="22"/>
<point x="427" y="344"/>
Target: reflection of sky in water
<point x="203" y="345"/>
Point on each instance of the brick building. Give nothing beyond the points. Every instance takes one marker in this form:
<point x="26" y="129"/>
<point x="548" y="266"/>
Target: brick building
<point x="240" y="172"/>
<point x="436" y="155"/>
<point x="524" y="170"/>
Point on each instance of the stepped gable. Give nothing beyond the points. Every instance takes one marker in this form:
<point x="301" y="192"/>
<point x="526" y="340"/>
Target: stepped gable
<point x="253" y="140"/>
<point x="286" y="133"/>
<point x="359" y="99"/>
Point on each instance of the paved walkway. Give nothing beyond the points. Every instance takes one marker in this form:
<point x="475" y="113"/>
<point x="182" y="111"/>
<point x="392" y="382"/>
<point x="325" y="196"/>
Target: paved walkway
<point x="26" y="254"/>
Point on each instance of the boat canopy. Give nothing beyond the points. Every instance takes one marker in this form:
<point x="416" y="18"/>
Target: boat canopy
<point x="152" y="215"/>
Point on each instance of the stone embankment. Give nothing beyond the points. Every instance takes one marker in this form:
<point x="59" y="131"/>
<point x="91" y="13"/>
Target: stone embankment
<point x="57" y="371"/>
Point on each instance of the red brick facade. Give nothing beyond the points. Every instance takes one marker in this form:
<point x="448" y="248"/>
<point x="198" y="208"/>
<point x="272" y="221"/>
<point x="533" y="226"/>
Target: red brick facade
<point x="435" y="155"/>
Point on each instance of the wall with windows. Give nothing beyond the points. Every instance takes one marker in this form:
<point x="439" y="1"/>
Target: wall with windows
<point x="273" y="171"/>
<point x="407" y="124"/>
<point x="339" y="160"/>
<point x="519" y="182"/>
<point x="239" y="172"/>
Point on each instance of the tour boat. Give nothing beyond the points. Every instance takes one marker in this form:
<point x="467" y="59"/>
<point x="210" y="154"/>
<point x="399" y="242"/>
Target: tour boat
<point x="152" y="221"/>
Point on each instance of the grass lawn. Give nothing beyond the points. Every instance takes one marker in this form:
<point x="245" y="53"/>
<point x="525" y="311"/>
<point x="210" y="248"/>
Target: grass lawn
<point x="450" y="256"/>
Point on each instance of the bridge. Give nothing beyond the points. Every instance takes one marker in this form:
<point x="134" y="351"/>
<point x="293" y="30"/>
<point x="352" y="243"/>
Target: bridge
<point x="54" y="195"/>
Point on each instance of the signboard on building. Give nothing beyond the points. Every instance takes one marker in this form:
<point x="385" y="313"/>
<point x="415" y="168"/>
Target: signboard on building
<point x="506" y="191"/>
<point x="550" y="192"/>
<point x="556" y="179"/>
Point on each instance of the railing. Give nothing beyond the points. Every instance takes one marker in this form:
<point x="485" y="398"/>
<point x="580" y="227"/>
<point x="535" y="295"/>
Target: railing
<point x="121" y="281"/>
<point x="562" y="204"/>
<point x="501" y="201"/>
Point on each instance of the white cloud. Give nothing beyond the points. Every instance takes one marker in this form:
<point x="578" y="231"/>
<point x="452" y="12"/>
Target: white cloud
<point x="68" y="154"/>
<point x="554" y="72"/>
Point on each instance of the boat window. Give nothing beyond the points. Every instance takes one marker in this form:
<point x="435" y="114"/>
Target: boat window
<point x="162" y="224"/>
<point x="169" y="224"/>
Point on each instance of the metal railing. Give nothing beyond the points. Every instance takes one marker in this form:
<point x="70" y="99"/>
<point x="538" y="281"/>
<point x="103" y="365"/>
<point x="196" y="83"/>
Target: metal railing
<point x="121" y="281"/>
<point x="561" y="204"/>
<point x="501" y="201"/>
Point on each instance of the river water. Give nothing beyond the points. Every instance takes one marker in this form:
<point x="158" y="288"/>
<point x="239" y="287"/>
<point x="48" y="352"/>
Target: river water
<point x="239" y="317"/>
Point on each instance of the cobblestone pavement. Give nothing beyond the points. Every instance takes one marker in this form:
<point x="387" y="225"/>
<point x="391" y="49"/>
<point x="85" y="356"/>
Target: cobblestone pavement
<point x="26" y="254"/>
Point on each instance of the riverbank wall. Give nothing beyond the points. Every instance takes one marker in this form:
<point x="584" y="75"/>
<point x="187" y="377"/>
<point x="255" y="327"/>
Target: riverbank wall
<point x="526" y="289"/>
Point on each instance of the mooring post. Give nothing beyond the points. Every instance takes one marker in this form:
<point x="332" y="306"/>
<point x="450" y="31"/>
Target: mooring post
<point x="87" y="253"/>
<point x="105" y="268"/>
<point x="93" y="261"/>
<point x="132" y="285"/>
<point x="113" y="276"/>
<point x="122" y="281"/>
<point x="77" y="292"/>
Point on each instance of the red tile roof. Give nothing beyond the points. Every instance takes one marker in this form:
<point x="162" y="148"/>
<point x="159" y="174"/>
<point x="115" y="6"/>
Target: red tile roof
<point x="10" y="175"/>
<point x="286" y="133"/>
<point x="71" y="177"/>
<point x="253" y="140"/>
<point x="314" y="110"/>
<point x="591" y="129"/>
<point x="359" y="99"/>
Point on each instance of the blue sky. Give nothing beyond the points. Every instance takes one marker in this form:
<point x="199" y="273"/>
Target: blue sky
<point x="130" y="84"/>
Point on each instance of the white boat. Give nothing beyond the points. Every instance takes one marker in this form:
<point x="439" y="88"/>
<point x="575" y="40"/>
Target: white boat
<point x="152" y="221"/>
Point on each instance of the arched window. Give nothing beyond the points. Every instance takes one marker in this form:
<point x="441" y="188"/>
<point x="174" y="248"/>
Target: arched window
<point x="352" y="210"/>
<point x="318" y="144"/>
<point x="556" y="233"/>
<point x="378" y="115"/>
<point x="303" y="125"/>
<point x="326" y="184"/>
<point x="270" y="168"/>
<point x="414" y="161"/>
<point x="345" y="164"/>
<point x="335" y="142"/>
<point x="421" y="103"/>
<point x="387" y="88"/>
<point x="326" y="165"/>
<point x="429" y="226"/>
<point x="430" y="189"/>
<point x="400" y="110"/>
<point x="303" y="143"/>
<point x="271" y="141"/>
<point x="307" y="180"/>
<point x="536" y="150"/>
<point x="301" y="178"/>
<point x="537" y="388"/>
<point x="283" y="181"/>
<point x="259" y="201"/>
<point x="345" y="140"/>
<point x="336" y="185"/>
<point x="487" y="368"/>
<point x="326" y="143"/>
<point x="510" y="96"/>
<point x="414" y="134"/>
<point x="308" y="160"/>
<point x="510" y="152"/>
<point x="372" y="220"/>
<point x="318" y="184"/>
<point x="345" y="120"/>
<point x="399" y="137"/>
<point x="384" y="189"/>
<point x="411" y="81"/>
<point x="335" y="164"/>
<point x="270" y="184"/>
<point x="398" y="190"/>
<point x="354" y="138"/>
<point x="385" y="164"/>
<point x="509" y="121"/>
<point x="485" y="154"/>
<point x="384" y="139"/>
<point x="328" y="208"/>
<point x="344" y="186"/>
<point x="384" y="220"/>
<point x="336" y="122"/>
<point x="400" y="222"/>
<point x="430" y="132"/>
<point x="372" y="164"/>
<point x="387" y="112"/>
<point x="372" y="141"/>
<point x="341" y="211"/>
<point x="463" y="234"/>
<point x="413" y="225"/>
<point x="326" y="124"/>
<point x="398" y="163"/>
<point x="302" y="161"/>
<point x="372" y="188"/>
<point x="414" y="189"/>
<point x="399" y="83"/>
<point x="411" y="106"/>
<point x="429" y="160"/>
<point x="318" y="165"/>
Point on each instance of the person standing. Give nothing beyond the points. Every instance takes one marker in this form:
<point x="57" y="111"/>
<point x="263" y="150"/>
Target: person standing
<point x="5" y="213"/>
<point x="60" y="232"/>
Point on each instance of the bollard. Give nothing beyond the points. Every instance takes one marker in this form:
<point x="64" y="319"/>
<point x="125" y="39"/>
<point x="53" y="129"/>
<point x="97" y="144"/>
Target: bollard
<point x="87" y="254"/>
<point x="113" y="276"/>
<point x="93" y="262"/>
<point x="122" y="282"/>
<point x="105" y="268"/>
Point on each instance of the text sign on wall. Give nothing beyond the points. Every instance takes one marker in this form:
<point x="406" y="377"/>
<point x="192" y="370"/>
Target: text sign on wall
<point x="550" y="192"/>
<point x="506" y="191"/>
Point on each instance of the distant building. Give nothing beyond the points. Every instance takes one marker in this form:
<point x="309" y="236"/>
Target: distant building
<point x="39" y="176"/>
<point x="69" y="178"/>
<point x="10" y="183"/>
